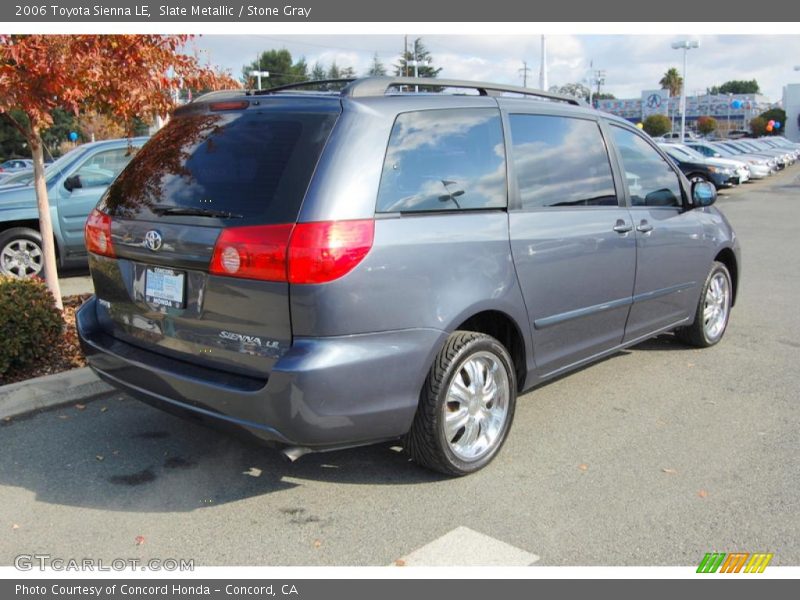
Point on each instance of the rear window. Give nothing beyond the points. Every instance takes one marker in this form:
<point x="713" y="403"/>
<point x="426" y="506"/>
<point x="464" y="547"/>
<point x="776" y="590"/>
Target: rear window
<point x="444" y="160"/>
<point x="254" y="164"/>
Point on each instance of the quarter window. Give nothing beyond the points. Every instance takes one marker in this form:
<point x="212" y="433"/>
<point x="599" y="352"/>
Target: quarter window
<point x="651" y="181"/>
<point x="444" y="160"/>
<point x="560" y="161"/>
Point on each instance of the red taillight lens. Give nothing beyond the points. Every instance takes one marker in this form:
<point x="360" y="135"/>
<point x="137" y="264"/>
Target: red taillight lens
<point x="324" y="251"/>
<point x="97" y="234"/>
<point x="257" y="252"/>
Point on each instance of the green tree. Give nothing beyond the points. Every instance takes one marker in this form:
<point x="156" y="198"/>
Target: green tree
<point x="318" y="72"/>
<point x="706" y="125"/>
<point x="672" y="81"/>
<point x="13" y="143"/>
<point x="657" y="125"/>
<point x="774" y="114"/>
<point x="420" y="53"/>
<point x="333" y="71"/>
<point x="604" y="96"/>
<point x="282" y="69"/>
<point x="736" y="86"/>
<point x="377" y="69"/>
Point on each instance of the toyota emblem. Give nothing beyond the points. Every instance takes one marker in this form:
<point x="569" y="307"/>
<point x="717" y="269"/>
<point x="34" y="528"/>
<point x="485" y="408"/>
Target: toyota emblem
<point x="152" y="240"/>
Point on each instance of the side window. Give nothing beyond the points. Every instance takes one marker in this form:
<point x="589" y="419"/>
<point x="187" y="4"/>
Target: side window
<point x="560" y="161"/>
<point x="102" y="168"/>
<point x="651" y="181"/>
<point x="444" y="160"/>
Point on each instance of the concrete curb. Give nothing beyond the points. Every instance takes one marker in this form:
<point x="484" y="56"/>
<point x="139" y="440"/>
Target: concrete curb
<point x="51" y="390"/>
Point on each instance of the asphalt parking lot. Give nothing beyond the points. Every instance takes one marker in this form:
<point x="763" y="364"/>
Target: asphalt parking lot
<point x="652" y="457"/>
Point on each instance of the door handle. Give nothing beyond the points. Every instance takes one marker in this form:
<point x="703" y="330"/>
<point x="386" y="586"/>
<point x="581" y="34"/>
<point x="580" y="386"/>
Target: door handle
<point x="622" y="226"/>
<point x="644" y="227"/>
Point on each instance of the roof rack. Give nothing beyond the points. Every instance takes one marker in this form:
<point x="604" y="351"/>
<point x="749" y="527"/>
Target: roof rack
<point x="302" y="84"/>
<point x="378" y="86"/>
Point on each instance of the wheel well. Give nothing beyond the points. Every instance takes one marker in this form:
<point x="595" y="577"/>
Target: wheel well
<point x="503" y="328"/>
<point x="728" y="258"/>
<point x="30" y="224"/>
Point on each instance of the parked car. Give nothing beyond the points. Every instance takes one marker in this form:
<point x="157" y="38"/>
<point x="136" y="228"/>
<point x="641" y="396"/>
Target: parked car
<point x="326" y="270"/>
<point x="696" y="167"/>
<point x="676" y="136"/>
<point x="15" y="164"/>
<point x="783" y="158"/>
<point x="75" y="182"/>
<point x="21" y="177"/>
<point x="760" y="166"/>
<point x="738" y="147"/>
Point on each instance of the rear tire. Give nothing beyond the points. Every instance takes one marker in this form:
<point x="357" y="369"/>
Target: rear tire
<point x="466" y="406"/>
<point x="21" y="253"/>
<point x="713" y="310"/>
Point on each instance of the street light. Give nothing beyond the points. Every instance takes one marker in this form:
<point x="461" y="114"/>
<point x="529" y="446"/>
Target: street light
<point x="259" y="75"/>
<point x="684" y="45"/>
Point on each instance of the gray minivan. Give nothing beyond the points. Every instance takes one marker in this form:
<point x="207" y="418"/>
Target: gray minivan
<point x="331" y="269"/>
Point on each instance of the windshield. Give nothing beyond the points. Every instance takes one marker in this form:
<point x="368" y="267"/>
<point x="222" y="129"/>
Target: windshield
<point x="54" y="169"/>
<point x="690" y="152"/>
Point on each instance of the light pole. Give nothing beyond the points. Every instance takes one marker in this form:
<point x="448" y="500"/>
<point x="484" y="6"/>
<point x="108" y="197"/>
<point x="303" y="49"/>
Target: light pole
<point x="684" y="45"/>
<point x="259" y="75"/>
<point x="417" y="64"/>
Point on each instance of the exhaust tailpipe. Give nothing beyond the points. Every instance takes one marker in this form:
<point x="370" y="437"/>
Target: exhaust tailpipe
<point x="292" y="453"/>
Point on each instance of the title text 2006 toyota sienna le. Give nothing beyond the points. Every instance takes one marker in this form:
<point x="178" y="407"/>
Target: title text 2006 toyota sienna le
<point x="331" y="269"/>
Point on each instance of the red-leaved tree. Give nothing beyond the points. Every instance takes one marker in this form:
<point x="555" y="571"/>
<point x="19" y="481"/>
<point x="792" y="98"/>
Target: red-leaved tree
<point x="122" y="76"/>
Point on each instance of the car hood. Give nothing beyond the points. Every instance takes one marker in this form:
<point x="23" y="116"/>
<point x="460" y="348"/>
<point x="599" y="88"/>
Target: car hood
<point x="728" y="163"/>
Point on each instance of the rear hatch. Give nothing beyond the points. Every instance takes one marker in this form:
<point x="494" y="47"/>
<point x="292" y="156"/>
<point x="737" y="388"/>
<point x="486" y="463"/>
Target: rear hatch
<point x="234" y="169"/>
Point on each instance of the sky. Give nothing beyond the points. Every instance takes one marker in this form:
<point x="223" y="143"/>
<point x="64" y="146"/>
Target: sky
<point x="632" y="62"/>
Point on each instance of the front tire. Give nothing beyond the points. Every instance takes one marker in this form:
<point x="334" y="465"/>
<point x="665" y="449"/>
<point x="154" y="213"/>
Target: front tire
<point x="713" y="310"/>
<point x="466" y="406"/>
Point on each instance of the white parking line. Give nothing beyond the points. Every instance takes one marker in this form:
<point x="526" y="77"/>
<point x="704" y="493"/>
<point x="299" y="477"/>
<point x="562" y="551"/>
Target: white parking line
<point x="464" y="547"/>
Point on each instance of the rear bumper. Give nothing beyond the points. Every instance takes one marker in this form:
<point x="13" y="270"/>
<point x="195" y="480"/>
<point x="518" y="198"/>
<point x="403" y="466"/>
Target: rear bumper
<point x="322" y="393"/>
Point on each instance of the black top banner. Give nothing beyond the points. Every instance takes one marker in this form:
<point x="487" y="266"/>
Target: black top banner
<point x="263" y="11"/>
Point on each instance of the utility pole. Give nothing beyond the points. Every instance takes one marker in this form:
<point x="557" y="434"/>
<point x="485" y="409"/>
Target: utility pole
<point x="524" y="71"/>
<point x="543" y="67"/>
<point x="405" y="53"/>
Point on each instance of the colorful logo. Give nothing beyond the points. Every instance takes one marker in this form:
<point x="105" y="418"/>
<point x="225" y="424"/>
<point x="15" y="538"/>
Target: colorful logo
<point x="734" y="562"/>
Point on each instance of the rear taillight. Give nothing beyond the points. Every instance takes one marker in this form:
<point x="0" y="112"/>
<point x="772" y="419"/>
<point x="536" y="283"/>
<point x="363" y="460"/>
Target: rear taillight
<point x="324" y="251"/>
<point x="257" y="252"/>
<point x="303" y="253"/>
<point x="97" y="234"/>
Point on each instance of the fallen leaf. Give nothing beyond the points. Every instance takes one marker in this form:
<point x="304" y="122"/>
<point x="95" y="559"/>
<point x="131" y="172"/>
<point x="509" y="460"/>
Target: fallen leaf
<point x="80" y="406"/>
<point x="7" y="419"/>
<point x="103" y="408"/>
<point x="15" y="526"/>
<point x="99" y="457"/>
<point x="139" y="540"/>
<point x="317" y="543"/>
<point x="690" y="365"/>
<point x="583" y="467"/>
<point x="400" y="563"/>
<point x="252" y="472"/>
<point x="669" y="471"/>
<point x="702" y="493"/>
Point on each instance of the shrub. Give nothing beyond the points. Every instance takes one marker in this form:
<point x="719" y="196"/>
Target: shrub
<point x="30" y="324"/>
<point x="657" y="125"/>
<point x="706" y="125"/>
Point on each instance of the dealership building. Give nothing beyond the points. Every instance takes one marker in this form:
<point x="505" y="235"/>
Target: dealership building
<point x="732" y="111"/>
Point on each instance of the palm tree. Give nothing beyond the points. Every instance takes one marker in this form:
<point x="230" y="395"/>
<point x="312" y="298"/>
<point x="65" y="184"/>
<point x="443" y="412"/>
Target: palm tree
<point x="672" y="81"/>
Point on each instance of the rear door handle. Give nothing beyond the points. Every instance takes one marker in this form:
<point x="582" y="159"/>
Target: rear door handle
<point x="622" y="226"/>
<point x="644" y="227"/>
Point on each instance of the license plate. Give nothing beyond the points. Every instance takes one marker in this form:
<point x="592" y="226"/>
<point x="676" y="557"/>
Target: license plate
<point x="164" y="287"/>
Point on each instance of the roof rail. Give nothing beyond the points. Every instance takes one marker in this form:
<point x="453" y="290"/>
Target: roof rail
<point x="378" y="86"/>
<point x="227" y="92"/>
<point x="302" y="84"/>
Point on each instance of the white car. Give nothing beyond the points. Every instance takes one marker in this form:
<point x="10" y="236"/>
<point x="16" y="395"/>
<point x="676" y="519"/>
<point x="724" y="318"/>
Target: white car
<point x="740" y="168"/>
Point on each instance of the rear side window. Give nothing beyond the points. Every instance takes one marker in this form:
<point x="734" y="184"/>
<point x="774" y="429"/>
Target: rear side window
<point x="444" y="160"/>
<point x="560" y="161"/>
<point x="256" y="165"/>
<point x="651" y="181"/>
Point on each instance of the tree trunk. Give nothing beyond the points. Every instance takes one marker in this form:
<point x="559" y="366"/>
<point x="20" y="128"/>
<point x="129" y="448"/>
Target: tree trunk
<point x="45" y="223"/>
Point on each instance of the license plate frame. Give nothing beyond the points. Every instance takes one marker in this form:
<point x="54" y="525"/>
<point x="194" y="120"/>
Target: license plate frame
<point x="165" y="287"/>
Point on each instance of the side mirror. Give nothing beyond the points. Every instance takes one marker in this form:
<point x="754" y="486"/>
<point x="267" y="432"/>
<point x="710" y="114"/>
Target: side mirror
<point x="73" y="182"/>
<point x="703" y="193"/>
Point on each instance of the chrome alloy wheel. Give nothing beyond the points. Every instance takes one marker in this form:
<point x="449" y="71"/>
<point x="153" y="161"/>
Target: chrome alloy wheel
<point x="21" y="258"/>
<point x="717" y="306"/>
<point x="476" y="407"/>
